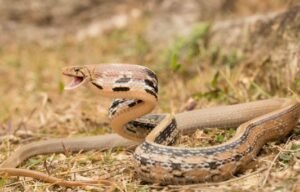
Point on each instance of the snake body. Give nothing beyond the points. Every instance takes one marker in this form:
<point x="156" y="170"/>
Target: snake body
<point x="134" y="89"/>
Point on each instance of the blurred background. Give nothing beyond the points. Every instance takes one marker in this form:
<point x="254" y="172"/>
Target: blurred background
<point x="205" y="53"/>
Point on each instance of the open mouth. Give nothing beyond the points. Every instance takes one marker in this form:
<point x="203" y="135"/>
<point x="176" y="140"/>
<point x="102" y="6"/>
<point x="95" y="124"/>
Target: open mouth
<point x="76" y="82"/>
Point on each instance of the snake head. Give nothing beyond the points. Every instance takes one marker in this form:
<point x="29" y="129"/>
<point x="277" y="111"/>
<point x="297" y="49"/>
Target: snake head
<point x="79" y="75"/>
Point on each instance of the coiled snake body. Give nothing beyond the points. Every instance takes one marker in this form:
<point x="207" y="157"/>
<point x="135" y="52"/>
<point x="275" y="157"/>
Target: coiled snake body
<point x="134" y="89"/>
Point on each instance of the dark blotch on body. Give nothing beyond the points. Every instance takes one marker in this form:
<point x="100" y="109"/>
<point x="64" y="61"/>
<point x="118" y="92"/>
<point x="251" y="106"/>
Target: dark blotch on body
<point x="212" y="165"/>
<point x="113" y="113"/>
<point x="131" y="130"/>
<point x="132" y="104"/>
<point x="98" y="86"/>
<point x="237" y="157"/>
<point x="116" y="103"/>
<point x="142" y="125"/>
<point x="151" y="74"/>
<point x="143" y="161"/>
<point x="121" y="89"/>
<point x="166" y="132"/>
<point x="176" y="166"/>
<point x="124" y="79"/>
<point x="151" y="92"/>
<point x="151" y="84"/>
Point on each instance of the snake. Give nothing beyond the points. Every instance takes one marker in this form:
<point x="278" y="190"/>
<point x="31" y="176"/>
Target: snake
<point x="134" y="90"/>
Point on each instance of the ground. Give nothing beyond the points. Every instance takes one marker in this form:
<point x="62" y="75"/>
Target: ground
<point x="197" y="67"/>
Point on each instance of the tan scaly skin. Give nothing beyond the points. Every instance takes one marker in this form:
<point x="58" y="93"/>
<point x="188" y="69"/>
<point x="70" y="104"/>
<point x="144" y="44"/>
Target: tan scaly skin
<point x="258" y="123"/>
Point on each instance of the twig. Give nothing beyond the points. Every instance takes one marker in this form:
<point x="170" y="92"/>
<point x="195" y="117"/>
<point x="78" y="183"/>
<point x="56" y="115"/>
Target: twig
<point x="66" y="151"/>
<point x="46" y="167"/>
<point x="8" y="172"/>
<point x="287" y="150"/>
<point x="272" y="163"/>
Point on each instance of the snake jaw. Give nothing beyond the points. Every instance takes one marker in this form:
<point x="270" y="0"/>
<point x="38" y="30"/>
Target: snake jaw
<point x="78" y="77"/>
<point x="76" y="82"/>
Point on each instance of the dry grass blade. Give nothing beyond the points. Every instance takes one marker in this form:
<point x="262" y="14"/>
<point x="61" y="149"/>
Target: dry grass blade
<point x="272" y="164"/>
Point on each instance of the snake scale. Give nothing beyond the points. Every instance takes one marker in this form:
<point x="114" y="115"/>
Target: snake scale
<point x="134" y="89"/>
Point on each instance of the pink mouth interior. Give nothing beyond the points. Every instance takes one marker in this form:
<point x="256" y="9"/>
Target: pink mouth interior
<point x="76" y="82"/>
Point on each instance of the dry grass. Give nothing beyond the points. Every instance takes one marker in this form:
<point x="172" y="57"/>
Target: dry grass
<point x="34" y="107"/>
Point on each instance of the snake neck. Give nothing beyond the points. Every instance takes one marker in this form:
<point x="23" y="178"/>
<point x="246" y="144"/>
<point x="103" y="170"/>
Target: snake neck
<point x="134" y="89"/>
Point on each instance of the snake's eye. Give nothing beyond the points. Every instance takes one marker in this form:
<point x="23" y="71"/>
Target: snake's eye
<point x="76" y="70"/>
